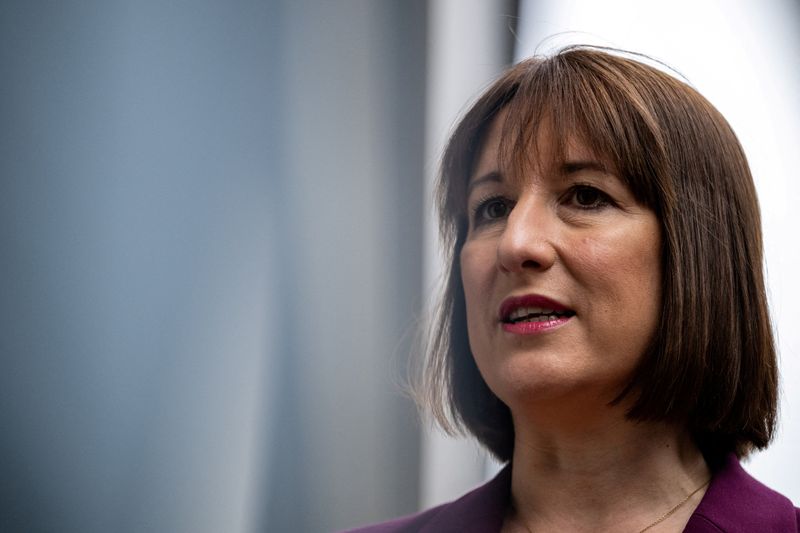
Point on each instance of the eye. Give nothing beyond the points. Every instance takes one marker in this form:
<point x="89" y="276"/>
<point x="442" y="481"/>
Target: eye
<point x="587" y="197"/>
<point x="491" y="209"/>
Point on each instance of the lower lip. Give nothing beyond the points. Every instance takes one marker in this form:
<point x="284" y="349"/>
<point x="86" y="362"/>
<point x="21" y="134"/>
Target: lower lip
<point x="535" y="328"/>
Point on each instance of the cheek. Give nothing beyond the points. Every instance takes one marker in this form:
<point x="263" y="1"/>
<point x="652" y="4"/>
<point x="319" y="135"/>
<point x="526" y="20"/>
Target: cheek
<point x="623" y="273"/>
<point x="477" y="266"/>
<point x="477" y="278"/>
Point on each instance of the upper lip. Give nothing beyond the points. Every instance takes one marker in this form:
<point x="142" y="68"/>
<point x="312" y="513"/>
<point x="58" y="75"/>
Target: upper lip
<point x="512" y="303"/>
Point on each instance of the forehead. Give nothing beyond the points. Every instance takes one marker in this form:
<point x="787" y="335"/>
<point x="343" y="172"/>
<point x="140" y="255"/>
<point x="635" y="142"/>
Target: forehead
<point x="520" y="157"/>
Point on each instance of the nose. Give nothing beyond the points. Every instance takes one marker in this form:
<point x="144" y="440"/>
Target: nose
<point x="527" y="241"/>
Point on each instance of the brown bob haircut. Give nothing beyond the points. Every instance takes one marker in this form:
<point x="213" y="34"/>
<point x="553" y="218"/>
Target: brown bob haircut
<point x="711" y="364"/>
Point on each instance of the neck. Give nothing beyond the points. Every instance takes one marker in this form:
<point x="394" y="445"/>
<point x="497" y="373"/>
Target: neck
<point x="609" y="474"/>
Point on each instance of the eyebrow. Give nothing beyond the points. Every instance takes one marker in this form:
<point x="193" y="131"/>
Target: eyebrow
<point x="573" y="167"/>
<point x="491" y="177"/>
<point x="567" y="168"/>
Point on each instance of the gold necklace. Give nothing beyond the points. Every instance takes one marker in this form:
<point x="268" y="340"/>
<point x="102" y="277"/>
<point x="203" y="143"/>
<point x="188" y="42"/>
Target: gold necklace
<point x="669" y="513"/>
<point x="660" y="519"/>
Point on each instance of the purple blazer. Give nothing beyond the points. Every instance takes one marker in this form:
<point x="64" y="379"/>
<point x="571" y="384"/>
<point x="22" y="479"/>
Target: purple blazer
<point x="733" y="503"/>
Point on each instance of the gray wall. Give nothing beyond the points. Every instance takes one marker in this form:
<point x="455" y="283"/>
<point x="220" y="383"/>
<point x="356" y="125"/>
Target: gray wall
<point x="210" y="228"/>
<point x="354" y="144"/>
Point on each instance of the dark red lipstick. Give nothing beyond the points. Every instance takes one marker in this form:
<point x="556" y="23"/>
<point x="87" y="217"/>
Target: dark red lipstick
<point x="532" y="314"/>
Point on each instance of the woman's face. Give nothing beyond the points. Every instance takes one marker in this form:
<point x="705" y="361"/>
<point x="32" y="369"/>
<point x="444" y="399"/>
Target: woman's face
<point x="561" y="274"/>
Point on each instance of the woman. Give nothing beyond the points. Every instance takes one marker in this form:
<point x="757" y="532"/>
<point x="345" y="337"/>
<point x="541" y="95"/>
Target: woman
<point x="604" y="328"/>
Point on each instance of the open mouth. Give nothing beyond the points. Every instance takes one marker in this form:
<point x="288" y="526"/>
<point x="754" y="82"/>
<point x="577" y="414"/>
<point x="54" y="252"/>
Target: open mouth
<point x="533" y="308"/>
<point x="535" y="314"/>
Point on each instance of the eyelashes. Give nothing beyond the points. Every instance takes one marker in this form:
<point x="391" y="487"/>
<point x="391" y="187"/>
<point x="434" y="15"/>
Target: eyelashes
<point x="582" y="197"/>
<point x="589" y="197"/>
<point x="494" y="207"/>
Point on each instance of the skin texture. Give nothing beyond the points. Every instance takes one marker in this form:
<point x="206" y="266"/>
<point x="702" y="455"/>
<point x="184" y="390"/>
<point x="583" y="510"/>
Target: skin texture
<point x="577" y="236"/>
<point x="601" y="260"/>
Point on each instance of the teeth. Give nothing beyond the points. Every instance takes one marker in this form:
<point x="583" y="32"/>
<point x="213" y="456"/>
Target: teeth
<point x="539" y="314"/>
<point x="525" y="311"/>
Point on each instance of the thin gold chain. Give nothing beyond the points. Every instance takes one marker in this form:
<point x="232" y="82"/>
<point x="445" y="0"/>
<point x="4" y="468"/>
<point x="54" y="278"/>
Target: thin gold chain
<point x="652" y="525"/>
<point x="669" y="513"/>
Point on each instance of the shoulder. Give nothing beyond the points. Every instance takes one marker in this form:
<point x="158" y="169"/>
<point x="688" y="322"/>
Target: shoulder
<point x="483" y="509"/>
<point x="737" y="502"/>
<point x="403" y="524"/>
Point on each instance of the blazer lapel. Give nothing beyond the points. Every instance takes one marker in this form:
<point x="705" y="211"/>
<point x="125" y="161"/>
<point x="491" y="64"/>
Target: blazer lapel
<point x="480" y="511"/>
<point x="735" y="502"/>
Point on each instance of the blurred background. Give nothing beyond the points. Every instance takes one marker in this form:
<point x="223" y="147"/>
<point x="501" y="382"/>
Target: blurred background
<point x="217" y="243"/>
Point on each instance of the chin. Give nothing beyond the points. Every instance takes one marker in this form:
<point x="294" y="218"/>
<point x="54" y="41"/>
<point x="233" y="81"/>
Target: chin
<point x="552" y="389"/>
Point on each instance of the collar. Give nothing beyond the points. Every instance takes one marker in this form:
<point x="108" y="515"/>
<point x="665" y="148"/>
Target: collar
<point x="479" y="511"/>
<point x="734" y="502"/>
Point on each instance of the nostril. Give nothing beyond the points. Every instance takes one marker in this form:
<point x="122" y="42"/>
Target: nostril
<point x="530" y="264"/>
